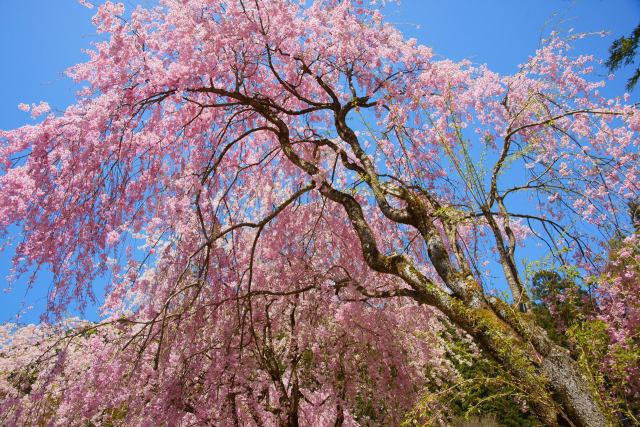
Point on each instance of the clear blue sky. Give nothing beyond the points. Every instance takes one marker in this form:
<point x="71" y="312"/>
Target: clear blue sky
<point x="39" y="39"/>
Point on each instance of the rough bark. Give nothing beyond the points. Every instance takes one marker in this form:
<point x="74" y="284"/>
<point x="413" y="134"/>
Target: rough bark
<point x="572" y="390"/>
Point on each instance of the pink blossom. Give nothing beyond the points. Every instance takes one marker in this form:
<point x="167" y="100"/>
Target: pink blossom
<point x="112" y="238"/>
<point x="271" y="246"/>
<point x="39" y="109"/>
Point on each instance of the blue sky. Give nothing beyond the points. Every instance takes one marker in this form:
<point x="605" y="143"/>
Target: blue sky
<point x="40" y="39"/>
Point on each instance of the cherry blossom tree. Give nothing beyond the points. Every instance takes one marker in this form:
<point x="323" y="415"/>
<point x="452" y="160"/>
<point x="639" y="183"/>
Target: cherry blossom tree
<point x="290" y="200"/>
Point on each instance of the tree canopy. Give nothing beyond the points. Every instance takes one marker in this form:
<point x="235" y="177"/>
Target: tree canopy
<point x="296" y="208"/>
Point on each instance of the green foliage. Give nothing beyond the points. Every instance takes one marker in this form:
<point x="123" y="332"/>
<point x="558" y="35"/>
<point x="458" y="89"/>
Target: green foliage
<point x="558" y="302"/>
<point x="364" y="410"/>
<point x="623" y="52"/>
<point x="590" y="343"/>
<point x="591" y="347"/>
<point x="481" y="394"/>
<point x="566" y="311"/>
<point x="475" y="422"/>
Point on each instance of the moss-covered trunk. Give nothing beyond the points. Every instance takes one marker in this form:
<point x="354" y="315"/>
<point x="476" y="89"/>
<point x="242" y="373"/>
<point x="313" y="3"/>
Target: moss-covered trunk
<point x="558" y="391"/>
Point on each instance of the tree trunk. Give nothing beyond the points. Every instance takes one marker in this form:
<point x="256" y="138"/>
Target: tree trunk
<point x="572" y="390"/>
<point x="559" y="392"/>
